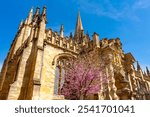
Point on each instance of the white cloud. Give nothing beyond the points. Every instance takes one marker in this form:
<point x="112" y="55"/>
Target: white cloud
<point x="141" y="4"/>
<point x="106" y="8"/>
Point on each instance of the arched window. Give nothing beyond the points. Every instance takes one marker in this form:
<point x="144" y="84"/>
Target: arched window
<point x="59" y="74"/>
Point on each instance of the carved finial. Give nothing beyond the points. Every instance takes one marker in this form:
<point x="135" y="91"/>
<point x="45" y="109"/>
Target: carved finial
<point x="26" y="21"/>
<point x="29" y="19"/>
<point x="96" y="40"/>
<point x="21" y="23"/>
<point x="62" y="31"/>
<point x="36" y="15"/>
<point x="43" y="17"/>
<point x="31" y="11"/>
<point x="44" y="10"/>
<point x="37" y="11"/>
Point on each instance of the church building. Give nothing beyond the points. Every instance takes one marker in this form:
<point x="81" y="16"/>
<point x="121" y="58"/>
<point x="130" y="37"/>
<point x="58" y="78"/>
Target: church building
<point x="34" y="66"/>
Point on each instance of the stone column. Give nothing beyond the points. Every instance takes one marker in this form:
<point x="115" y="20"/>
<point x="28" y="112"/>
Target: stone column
<point x="106" y="87"/>
<point x="133" y="81"/>
<point x="130" y="85"/>
<point x="108" y="57"/>
<point x="112" y="86"/>
<point x="37" y="73"/>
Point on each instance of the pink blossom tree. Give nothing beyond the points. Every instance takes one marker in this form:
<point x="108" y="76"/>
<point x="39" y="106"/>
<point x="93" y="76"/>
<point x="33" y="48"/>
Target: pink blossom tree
<point x="82" y="78"/>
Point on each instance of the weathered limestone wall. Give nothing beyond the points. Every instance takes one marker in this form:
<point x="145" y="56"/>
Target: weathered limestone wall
<point x="10" y="77"/>
<point x="15" y="88"/>
<point x="48" y="72"/>
<point x="19" y="40"/>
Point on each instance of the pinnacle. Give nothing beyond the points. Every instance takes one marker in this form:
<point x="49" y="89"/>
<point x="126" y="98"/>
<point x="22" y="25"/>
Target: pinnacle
<point x="31" y="11"/>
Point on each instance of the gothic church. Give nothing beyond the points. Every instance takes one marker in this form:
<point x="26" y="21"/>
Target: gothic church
<point x="36" y="53"/>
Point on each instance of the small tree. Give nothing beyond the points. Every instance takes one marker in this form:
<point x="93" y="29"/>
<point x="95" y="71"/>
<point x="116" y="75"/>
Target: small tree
<point x="82" y="78"/>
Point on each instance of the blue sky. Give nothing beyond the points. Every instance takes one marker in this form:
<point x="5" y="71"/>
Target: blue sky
<point x="127" y="19"/>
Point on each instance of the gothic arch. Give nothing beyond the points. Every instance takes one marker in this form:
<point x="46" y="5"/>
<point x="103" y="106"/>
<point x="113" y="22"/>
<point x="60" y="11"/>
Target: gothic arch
<point x="69" y="55"/>
<point x="60" y="61"/>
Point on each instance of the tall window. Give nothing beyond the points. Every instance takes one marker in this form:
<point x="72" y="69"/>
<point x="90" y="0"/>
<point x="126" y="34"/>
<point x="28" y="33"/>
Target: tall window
<point x="59" y="74"/>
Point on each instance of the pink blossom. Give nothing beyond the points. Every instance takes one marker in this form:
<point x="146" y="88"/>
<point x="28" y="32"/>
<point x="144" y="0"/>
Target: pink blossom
<point x="82" y="79"/>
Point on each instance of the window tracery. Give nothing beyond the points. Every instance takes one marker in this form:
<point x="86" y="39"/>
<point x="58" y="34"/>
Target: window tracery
<point x="61" y="63"/>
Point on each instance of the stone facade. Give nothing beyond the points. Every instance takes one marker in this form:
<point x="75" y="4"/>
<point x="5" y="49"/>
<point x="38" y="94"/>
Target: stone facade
<point x="30" y="70"/>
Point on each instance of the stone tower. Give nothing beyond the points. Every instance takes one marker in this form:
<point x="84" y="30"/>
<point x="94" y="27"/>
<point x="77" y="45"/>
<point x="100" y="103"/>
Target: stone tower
<point x="34" y="66"/>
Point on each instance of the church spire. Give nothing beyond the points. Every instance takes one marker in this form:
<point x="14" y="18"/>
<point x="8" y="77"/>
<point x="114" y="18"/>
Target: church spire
<point x="79" y="27"/>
